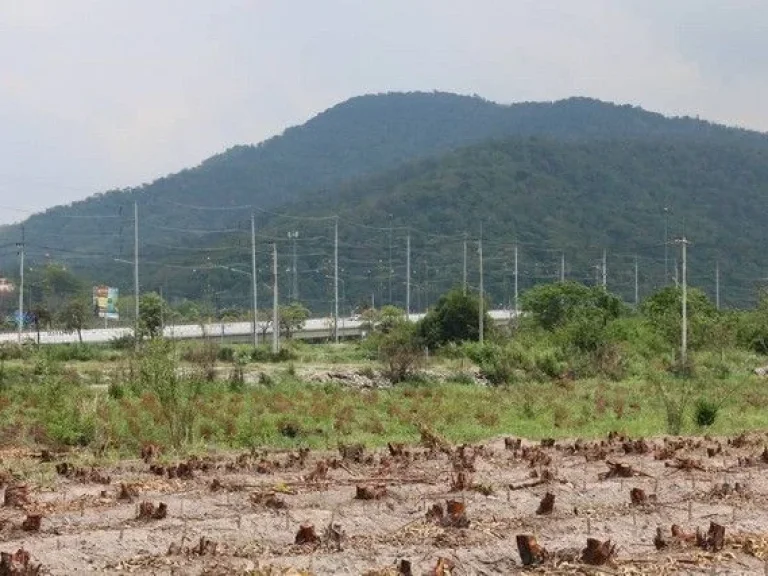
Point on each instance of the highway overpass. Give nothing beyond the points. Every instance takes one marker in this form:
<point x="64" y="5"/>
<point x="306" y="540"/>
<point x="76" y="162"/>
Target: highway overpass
<point x="314" y="329"/>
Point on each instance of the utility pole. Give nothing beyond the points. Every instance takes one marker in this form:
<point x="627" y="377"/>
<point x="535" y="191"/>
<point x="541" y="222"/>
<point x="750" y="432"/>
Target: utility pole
<point x="408" y="276"/>
<point x="336" y="280"/>
<point x="21" y="284"/>
<point x="677" y="280"/>
<point x="275" y="313"/>
<point x="464" y="277"/>
<point x="295" y="286"/>
<point x="254" y="284"/>
<point x="684" y="340"/>
<point x="605" y="270"/>
<point x="666" y="249"/>
<point x="389" y="276"/>
<point x="637" y="292"/>
<point x="481" y="318"/>
<point x="562" y="267"/>
<point x="717" y="284"/>
<point x="517" y="309"/>
<point x="136" y="271"/>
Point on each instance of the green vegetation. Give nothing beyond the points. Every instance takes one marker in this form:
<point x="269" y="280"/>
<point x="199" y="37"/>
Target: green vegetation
<point x="579" y="364"/>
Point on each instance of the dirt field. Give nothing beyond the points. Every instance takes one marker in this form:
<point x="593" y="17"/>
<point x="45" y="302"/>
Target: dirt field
<point x="238" y="514"/>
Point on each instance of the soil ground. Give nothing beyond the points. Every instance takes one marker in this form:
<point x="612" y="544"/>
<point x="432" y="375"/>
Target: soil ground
<point x="240" y="513"/>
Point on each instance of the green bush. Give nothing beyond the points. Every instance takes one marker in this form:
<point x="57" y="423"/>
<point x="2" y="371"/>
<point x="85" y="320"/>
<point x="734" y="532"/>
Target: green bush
<point x="70" y="352"/>
<point x="226" y="354"/>
<point x="706" y="412"/>
<point x="264" y="354"/>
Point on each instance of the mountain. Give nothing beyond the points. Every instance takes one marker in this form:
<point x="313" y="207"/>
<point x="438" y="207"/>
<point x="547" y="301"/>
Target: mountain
<point x="438" y="162"/>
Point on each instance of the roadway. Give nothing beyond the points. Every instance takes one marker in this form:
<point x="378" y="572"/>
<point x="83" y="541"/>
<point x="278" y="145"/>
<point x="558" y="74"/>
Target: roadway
<point x="314" y="329"/>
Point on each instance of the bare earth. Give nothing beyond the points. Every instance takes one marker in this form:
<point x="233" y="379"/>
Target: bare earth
<point x="241" y="513"/>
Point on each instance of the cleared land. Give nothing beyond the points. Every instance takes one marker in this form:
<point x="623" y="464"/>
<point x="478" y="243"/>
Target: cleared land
<point x="379" y="512"/>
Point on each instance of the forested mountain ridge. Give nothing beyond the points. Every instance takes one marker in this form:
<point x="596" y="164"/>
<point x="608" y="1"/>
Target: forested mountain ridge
<point x="361" y="158"/>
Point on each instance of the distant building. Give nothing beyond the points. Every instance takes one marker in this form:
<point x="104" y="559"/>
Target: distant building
<point x="6" y="286"/>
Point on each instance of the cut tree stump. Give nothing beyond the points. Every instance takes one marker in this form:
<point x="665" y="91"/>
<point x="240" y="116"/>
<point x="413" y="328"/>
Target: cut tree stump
<point x="531" y="553"/>
<point x="547" y="504"/>
<point x="455" y="514"/>
<point x="32" y="523"/>
<point x="404" y="568"/>
<point x="619" y="470"/>
<point x="637" y="497"/>
<point x="365" y="492"/>
<point x="306" y="535"/>
<point x="17" y="495"/>
<point x="18" y="564"/>
<point x="597" y="553"/>
<point x="148" y="511"/>
<point x="713" y="540"/>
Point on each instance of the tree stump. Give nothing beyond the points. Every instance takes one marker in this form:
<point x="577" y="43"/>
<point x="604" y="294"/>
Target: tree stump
<point x="638" y="497"/>
<point x="531" y="553"/>
<point x="306" y="535"/>
<point x="713" y="540"/>
<point x="370" y="492"/>
<point x="455" y="514"/>
<point x="597" y="553"/>
<point x="17" y="495"/>
<point x="32" y="523"/>
<point x="547" y="504"/>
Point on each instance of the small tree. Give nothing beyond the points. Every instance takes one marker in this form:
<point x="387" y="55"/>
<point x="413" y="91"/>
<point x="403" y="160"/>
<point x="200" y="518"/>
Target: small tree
<point x="292" y="318"/>
<point x="41" y="317"/>
<point x="664" y="311"/>
<point x="454" y="319"/>
<point x="400" y="351"/>
<point x="74" y="316"/>
<point x="151" y="308"/>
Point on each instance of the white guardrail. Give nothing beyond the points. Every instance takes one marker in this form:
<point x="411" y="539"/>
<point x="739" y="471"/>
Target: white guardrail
<point x="314" y="329"/>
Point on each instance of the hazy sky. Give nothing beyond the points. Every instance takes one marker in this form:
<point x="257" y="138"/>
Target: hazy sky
<point x="99" y="94"/>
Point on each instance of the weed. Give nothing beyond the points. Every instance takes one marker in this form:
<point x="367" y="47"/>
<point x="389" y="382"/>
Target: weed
<point x="706" y="412"/>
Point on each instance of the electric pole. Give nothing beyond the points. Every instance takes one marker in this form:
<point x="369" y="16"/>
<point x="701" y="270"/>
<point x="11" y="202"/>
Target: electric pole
<point x="275" y="312"/>
<point x="464" y="277"/>
<point x="717" y="284"/>
<point x="666" y="249"/>
<point x="336" y="280"/>
<point x="136" y="271"/>
<point x="684" y="336"/>
<point x="21" y="284"/>
<point x="389" y="276"/>
<point x="408" y="276"/>
<point x="480" y="302"/>
<point x="637" y="292"/>
<point x="605" y="270"/>
<point x="677" y="281"/>
<point x="517" y="309"/>
<point x="254" y="284"/>
<point x="562" y="267"/>
<point x="295" y="286"/>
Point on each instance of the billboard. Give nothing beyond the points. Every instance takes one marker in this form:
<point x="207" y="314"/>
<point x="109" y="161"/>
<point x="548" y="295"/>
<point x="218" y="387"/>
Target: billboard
<point x="105" y="302"/>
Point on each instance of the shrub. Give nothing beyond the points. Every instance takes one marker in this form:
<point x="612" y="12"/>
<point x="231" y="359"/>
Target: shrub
<point x="225" y="354"/>
<point x="400" y="352"/>
<point x="706" y="412"/>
